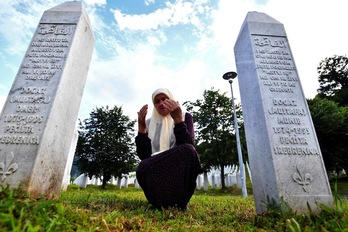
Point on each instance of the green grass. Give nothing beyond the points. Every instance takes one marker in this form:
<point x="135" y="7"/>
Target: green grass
<point x="93" y="209"/>
<point x="340" y="186"/>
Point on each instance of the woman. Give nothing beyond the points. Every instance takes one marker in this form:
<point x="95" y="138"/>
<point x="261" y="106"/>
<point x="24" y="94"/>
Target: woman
<point x="170" y="164"/>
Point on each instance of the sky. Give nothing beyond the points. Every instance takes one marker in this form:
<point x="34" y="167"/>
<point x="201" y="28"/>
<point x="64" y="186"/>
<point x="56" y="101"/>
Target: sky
<point x="185" y="46"/>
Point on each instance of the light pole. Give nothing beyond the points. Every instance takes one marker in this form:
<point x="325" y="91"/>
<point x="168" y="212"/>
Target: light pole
<point x="230" y="76"/>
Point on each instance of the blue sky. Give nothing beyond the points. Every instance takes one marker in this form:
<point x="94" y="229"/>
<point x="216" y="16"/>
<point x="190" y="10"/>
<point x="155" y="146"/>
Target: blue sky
<point x="185" y="46"/>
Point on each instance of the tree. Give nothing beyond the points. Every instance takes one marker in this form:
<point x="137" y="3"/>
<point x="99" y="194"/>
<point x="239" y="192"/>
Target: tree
<point x="215" y="136"/>
<point x="331" y="125"/>
<point x="333" y="79"/>
<point x="105" y="146"/>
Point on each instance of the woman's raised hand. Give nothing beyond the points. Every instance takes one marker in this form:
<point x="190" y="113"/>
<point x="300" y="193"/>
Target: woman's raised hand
<point x="174" y="109"/>
<point x="142" y="119"/>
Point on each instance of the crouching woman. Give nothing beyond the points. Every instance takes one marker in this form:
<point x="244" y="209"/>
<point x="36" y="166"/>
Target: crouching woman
<point x="169" y="163"/>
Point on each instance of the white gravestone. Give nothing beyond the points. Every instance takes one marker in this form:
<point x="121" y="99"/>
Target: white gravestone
<point x="283" y="149"/>
<point x="38" y="119"/>
<point x="70" y="161"/>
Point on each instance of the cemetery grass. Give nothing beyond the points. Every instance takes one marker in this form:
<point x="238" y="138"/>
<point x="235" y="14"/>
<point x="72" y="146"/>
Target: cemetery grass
<point x="126" y="209"/>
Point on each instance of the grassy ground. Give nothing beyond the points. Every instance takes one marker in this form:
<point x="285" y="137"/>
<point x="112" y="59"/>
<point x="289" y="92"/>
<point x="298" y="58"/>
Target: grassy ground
<point x="342" y="184"/>
<point x="93" y="209"/>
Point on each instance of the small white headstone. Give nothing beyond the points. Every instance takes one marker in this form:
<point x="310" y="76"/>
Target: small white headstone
<point x="213" y="181"/>
<point x="199" y="181"/>
<point x="81" y="181"/>
<point x="69" y="163"/>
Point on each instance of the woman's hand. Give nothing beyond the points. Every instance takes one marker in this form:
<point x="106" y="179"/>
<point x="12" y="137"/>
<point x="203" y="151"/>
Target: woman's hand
<point x="174" y="109"/>
<point x="142" y="119"/>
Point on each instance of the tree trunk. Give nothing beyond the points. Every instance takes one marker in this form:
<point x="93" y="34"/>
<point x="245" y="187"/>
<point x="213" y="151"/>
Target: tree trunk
<point x="222" y="175"/>
<point x="205" y="181"/>
<point x="103" y="183"/>
<point x="119" y="179"/>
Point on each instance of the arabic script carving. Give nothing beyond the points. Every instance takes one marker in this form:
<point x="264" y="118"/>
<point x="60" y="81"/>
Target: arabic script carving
<point x="268" y="42"/>
<point x="303" y="179"/>
<point x="7" y="167"/>
<point x="54" y="29"/>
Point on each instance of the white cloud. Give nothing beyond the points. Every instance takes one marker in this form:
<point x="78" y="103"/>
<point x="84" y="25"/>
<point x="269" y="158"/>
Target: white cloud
<point x="18" y="24"/>
<point x="180" y="12"/>
<point x="139" y="22"/>
<point x="95" y="2"/>
<point x="122" y="79"/>
<point x="149" y="2"/>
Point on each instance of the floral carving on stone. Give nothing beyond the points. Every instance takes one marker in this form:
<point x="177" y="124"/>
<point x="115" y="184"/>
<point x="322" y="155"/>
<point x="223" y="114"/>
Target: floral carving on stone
<point x="303" y="178"/>
<point x="8" y="167"/>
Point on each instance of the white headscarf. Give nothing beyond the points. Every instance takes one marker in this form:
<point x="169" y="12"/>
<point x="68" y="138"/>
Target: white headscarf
<point x="161" y="127"/>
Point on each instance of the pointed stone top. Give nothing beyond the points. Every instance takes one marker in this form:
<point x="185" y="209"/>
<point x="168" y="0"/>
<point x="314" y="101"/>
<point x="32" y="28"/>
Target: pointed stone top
<point x="254" y="16"/>
<point x="262" y="24"/>
<point x="65" y="13"/>
<point x="68" y="6"/>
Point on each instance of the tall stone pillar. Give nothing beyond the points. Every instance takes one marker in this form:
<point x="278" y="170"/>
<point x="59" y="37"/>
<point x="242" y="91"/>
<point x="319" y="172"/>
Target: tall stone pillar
<point x="38" y="119"/>
<point x="283" y="149"/>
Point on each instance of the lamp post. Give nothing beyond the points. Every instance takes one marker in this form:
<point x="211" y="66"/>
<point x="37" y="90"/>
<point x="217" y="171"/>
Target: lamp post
<point x="230" y="76"/>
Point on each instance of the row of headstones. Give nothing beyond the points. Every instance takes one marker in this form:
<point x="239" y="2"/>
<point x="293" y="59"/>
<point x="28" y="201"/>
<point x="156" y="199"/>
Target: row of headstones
<point x="83" y="180"/>
<point x="212" y="178"/>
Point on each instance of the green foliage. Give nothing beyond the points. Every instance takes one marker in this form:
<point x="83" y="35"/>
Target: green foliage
<point x="293" y="225"/>
<point x="333" y="79"/>
<point x="341" y="96"/>
<point x="126" y="209"/>
<point x="276" y="209"/>
<point x="215" y="135"/>
<point x="333" y="74"/>
<point x="105" y="146"/>
<point x="331" y="125"/>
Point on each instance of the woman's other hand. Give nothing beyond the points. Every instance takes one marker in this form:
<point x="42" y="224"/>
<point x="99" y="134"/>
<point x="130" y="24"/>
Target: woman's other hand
<point x="174" y="109"/>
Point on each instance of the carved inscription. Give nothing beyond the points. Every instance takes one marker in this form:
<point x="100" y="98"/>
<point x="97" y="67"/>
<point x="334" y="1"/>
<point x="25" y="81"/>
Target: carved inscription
<point x="278" y="77"/>
<point x="29" y="102"/>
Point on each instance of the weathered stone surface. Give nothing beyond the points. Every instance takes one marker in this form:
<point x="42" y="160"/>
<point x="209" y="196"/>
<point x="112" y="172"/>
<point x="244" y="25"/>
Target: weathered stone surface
<point x="38" y="119"/>
<point x="283" y="149"/>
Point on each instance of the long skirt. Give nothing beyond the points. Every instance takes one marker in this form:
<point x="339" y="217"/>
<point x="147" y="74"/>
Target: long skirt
<point x="169" y="178"/>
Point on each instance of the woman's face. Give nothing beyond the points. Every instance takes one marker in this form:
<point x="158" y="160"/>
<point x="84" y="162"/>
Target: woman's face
<point x="158" y="102"/>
